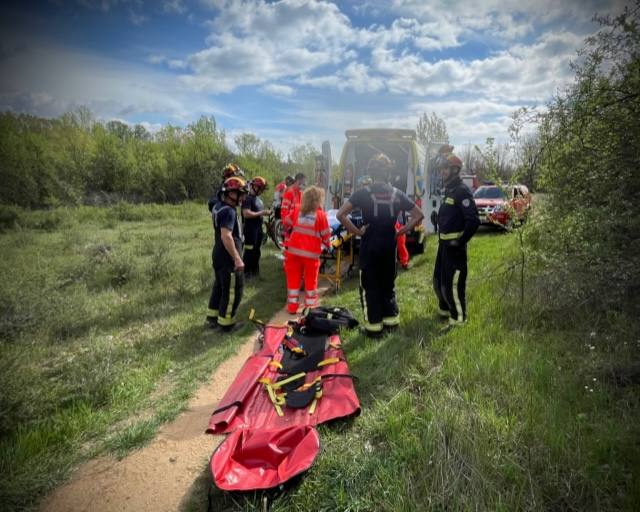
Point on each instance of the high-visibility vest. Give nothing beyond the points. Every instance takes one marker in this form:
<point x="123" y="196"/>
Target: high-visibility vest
<point x="308" y="233"/>
<point x="291" y="200"/>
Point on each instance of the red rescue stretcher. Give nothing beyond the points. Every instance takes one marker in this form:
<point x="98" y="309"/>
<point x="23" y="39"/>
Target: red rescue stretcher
<point x="293" y="383"/>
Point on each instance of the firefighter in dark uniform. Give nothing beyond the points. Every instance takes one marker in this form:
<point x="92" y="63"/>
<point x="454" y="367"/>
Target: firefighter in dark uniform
<point x="252" y="213"/>
<point x="457" y="222"/>
<point x="228" y="266"/>
<point x="380" y="204"/>
<point x="228" y="171"/>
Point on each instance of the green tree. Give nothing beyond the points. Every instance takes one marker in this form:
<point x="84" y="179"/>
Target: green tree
<point x="589" y="161"/>
<point x="431" y="129"/>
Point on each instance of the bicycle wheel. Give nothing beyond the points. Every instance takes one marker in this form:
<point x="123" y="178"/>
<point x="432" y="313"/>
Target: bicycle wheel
<point x="278" y="233"/>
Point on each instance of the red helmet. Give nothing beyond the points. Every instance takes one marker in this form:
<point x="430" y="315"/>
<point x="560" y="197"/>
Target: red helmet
<point x="231" y="170"/>
<point x="259" y="183"/>
<point x="234" y="183"/>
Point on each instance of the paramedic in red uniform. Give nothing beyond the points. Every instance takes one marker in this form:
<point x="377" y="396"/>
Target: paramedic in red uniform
<point x="380" y="204"/>
<point x="290" y="202"/>
<point x="278" y="194"/>
<point x="310" y="231"/>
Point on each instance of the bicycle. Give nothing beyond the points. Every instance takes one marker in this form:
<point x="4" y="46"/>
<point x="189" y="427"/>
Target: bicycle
<point x="273" y="229"/>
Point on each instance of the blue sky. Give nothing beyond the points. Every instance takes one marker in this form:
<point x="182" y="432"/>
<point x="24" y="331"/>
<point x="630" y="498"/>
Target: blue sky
<point x="293" y="71"/>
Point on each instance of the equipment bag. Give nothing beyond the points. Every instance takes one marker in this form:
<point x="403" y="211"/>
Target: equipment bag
<point x="327" y="320"/>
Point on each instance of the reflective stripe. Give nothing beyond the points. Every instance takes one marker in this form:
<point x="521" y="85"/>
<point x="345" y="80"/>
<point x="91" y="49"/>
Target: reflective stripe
<point x="305" y="231"/>
<point x="292" y="291"/>
<point x="451" y="236"/>
<point x="449" y="200"/>
<point x="363" y="300"/>
<point x="232" y="296"/>
<point x="391" y="320"/>
<point x="248" y="247"/>
<point x="310" y="302"/>
<point x="444" y="313"/>
<point x="307" y="220"/>
<point x="225" y="322"/>
<point x="389" y="202"/>
<point x="373" y="327"/>
<point x="212" y="312"/>
<point x="456" y="298"/>
<point x="455" y="322"/>
<point x="292" y="300"/>
<point x="325" y="232"/>
<point x="302" y="252"/>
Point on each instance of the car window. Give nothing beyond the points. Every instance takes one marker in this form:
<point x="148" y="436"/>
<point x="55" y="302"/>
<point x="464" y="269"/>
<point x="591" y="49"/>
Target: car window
<point x="489" y="193"/>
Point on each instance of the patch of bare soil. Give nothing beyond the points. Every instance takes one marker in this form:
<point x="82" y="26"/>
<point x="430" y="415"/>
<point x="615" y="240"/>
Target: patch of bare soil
<point x="159" y="476"/>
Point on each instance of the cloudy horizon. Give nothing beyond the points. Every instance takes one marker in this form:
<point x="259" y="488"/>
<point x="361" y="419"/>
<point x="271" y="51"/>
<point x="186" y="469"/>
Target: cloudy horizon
<point x="293" y="71"/>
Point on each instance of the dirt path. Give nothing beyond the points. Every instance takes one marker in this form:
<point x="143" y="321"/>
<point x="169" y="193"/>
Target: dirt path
<point x="159" y="476"/>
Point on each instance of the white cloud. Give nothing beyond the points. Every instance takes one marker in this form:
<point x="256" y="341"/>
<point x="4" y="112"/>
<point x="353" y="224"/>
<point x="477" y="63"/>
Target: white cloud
<point x="279" y="90"/>
<point x="174" y="7"/>
<point x="47" y="80"/>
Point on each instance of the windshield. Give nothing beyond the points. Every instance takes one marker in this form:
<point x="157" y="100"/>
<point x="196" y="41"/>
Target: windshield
<point x="489" y="193"/>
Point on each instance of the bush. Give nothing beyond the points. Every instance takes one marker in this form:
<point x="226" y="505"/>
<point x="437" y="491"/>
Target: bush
<point x="9" y="217"/>
<point x="587" y="241"/>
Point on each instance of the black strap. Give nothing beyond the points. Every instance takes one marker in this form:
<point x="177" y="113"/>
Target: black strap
<point x="224" y="408"/>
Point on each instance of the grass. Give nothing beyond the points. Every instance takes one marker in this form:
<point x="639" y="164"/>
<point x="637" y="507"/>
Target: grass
<point x="101" y="314"/>
<point x="509" y="412"/>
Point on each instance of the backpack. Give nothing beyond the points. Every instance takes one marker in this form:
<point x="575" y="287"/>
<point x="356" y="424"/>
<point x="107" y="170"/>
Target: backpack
<point x="327" y="319"/>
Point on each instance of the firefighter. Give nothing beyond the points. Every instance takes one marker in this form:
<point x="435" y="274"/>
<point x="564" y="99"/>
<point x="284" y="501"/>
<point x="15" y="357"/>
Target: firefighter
<point x="228" y="171"/>
<point x="380" y="204"/>
<point x="457" y="221"/>
<point x="252" y="213"/>
<point x="228" y="266"/>
<point x="309" y="232"/>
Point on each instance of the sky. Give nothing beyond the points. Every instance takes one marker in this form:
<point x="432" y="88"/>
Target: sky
<point x="293" y="71"/>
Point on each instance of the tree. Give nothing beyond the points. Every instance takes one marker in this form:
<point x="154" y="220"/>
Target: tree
<point x="431" y="129"/>
<point x="589" y="158"/>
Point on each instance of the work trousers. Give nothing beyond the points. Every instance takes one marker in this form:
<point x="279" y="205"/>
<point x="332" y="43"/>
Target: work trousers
<point x="377" y="289"/>
<point x="450" y="281"/>
<point x="226" y="295"/>
<point x="252" y="253"/>
<point x="403" y="253"/>
<point x="298" y="268"/>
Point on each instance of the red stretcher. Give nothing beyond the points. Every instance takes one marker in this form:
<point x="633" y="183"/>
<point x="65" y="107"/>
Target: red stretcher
<point x="271" y="442"/>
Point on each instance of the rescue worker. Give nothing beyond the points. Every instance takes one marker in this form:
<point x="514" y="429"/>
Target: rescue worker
<point x="457" y="221"/>
<point x="380" y="204"/>
<point x="278" y="194"/>
<point x="403" y="253"/>
<point x="228" y="266"/>
<point x="293" y="195"/>
<point x="252" y="213"/>
<point x="310" y="231"/>
<point x="228" y="171"/>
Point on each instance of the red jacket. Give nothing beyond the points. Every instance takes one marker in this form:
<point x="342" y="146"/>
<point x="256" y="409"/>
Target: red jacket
<point x="290" y="201"/>
<point x="308" y="233"/>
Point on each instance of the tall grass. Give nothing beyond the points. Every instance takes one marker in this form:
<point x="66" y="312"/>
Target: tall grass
<point x="503" y="413"/>
<point x="102" y="338"/>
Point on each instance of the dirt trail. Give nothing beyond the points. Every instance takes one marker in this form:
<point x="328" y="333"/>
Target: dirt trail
<point x="158" y="476"/>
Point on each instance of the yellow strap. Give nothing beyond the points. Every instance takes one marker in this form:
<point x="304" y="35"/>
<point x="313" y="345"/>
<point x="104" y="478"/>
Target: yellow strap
<point x="277" y="364"/>
<point x="330" y="360"/>
<point x="312" y="407"/>
<point x="280" y="383"/>
<point x="312" y="383"/>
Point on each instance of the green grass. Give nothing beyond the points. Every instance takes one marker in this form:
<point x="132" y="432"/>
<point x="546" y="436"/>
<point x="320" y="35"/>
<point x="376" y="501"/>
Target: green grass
<point x="102" y="338"/>
<point x="509" y="412"/>
<point x="101" y="313"/>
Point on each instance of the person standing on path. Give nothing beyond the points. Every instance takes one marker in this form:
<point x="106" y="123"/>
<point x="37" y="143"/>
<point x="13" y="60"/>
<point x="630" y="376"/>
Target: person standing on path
<point x="457" y="221"/>
<point x="228" y="266"/>
<point x="252" y="213"/>
<point x="380" y="204"/>
<point x="310" y="231"/>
